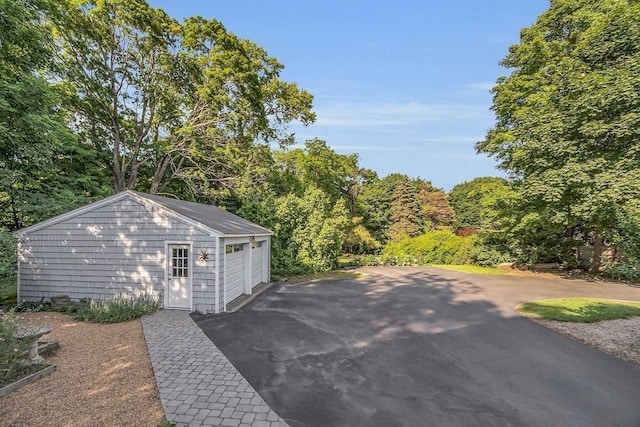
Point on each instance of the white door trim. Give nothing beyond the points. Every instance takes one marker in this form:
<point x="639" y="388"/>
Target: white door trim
<point x="217" y="273"/>
<point x="247" y="268"/>
<point x="167" y="260"/>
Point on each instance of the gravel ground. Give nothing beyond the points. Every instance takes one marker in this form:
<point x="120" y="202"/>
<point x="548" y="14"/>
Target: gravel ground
<point x="103" y="378"/>
<point x="620" y="338"/>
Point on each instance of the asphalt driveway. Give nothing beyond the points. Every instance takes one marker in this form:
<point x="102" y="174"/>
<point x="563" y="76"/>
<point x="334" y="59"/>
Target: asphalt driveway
<point x="424" y="347"/>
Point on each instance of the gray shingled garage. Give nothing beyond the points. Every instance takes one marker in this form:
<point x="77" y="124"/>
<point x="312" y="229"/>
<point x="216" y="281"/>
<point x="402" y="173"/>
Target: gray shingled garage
<point x="192" y="256"/>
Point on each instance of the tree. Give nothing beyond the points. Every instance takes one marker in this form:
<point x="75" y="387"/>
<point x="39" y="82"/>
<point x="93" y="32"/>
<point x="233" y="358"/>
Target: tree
<point x="309" y="232"/>
<point x="172" y="102"/>
<point x="435" y="206"/>
<point x="474" y="202"/>
<point x="373" y="203"/>
<point x="406" y="220"/>
<point x="36" y="181"/>
<point x="358" y="240"/>
<point x="568" y="114"/>
<point x="337" y="175"/>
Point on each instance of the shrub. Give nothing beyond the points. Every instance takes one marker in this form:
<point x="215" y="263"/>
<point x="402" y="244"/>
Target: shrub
<point x="12" y="349"/>
<point x="628" y="270"/>
<point x="37" y="306"/>
<point x="120" y="308"/>
<point x="490" y="249"/>
<point x="8" y="265"/>
<point x="362" y="260"/>
<point x="627" y="238"/>
<point x="436" y="247"/>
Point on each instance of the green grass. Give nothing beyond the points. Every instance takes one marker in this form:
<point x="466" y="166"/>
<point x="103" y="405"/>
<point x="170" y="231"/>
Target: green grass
<point x="583" y="310"/>
<point x="473" y="269"/>
<point x="8" y="296"/>
<point x="329" y="275"/>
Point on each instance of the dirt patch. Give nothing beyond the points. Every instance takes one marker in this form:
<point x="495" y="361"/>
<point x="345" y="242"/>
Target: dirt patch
<point x="103" y="377"/>
<point x="620" y="338"/>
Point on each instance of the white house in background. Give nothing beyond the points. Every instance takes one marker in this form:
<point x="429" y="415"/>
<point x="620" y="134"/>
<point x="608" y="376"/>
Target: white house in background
<point x="192" y="256"/>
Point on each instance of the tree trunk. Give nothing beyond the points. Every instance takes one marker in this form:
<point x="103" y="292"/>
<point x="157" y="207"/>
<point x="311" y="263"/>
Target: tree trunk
<point x="597" y="254"/>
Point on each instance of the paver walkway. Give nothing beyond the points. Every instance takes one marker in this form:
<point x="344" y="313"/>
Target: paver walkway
<point x="197" y="383"/>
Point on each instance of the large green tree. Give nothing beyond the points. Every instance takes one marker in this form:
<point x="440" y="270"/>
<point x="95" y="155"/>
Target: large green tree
<point x="568" y="117"/>
<point x="43" y="169"/>
<point x="374" y="203"/>
<point x="474" y="202"/>
<point x="166" y="102"/>
<point x="337" y="175"/>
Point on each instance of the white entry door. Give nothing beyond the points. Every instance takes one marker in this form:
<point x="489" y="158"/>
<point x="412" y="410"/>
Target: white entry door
<point x="178" y="276"/>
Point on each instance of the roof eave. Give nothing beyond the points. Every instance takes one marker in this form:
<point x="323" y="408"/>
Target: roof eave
<point x="270" y="233"/>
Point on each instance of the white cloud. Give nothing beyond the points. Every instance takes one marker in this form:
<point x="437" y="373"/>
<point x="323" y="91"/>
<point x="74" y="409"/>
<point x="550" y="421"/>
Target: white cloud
<point x="484" y="86"/>
<point x="358" y="148"/>
<point x="450" y="139"/>
<point x="374" y="114"/>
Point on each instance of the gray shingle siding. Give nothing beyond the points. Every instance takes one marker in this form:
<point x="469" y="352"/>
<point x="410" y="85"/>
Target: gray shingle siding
<point x="112" y="249"/>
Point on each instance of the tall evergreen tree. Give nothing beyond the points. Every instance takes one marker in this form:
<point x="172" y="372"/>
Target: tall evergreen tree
<point x="406" y="220"/>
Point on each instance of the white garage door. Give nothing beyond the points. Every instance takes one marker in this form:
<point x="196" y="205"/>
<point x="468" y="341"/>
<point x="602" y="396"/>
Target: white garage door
<point x="234" y="271"/>
<point x="256" y="263"/>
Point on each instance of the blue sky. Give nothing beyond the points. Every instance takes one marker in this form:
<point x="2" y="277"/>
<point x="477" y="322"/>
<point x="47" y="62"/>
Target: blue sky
<point x="405" y="83"/>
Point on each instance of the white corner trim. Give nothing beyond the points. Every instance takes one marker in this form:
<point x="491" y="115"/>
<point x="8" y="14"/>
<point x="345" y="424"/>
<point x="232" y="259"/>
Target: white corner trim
<point x="19" y="250"/>
<point x="224" y="279"/>
<point x="217" y="273"/>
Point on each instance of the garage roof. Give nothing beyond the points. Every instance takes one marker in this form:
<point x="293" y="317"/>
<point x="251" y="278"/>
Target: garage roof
<point x="213" y="217"/>
<point x="207" y="216"/>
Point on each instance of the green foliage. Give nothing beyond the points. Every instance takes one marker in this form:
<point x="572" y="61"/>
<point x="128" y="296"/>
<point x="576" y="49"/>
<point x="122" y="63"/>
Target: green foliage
<point x="584" y="310"/>
<point x="627" y="239"/>
<point x="8" y="263"/>
<point x="406" y="220"/>
<point x="435" y="207"/>
<point x="34" y="141"/>
<point x="201" y="104"/>
<point x="374" y="204"/>
<point x="360" y="260"/>
<point x="309" y="229"/>
<point x="472" y="269"/>
<point x="309" y="233"/>
<point x="11" y="348"/>
<point x="358" y="240"/>
<point x="474" y="202"/>
<point x="436" y="247"/>
<point x="491" y="249"/>
<point x="120" y="308"/>
<point x="567" y="119"/>
<point x="318" y="165"/>
<point x="38" y="306"/>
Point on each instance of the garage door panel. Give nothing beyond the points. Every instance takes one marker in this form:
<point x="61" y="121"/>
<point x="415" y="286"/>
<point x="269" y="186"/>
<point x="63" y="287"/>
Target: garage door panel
<point x="235" y="275"/>
<point x="256" y="265"/>
<point x="235" y="270"/>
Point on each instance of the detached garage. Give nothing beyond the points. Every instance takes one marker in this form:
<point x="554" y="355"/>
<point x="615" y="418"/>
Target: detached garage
<point x="191" y="256"/>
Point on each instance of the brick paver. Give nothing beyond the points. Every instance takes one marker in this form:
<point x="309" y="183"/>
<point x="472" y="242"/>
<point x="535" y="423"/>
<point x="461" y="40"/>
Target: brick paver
<point x="197" y="383"/>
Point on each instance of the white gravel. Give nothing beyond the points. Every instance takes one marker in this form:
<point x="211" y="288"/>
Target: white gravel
<point x="620" y="338"/>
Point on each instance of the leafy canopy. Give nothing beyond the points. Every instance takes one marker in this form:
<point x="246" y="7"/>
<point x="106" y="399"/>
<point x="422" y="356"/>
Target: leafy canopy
<point x="568" y="115"/>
